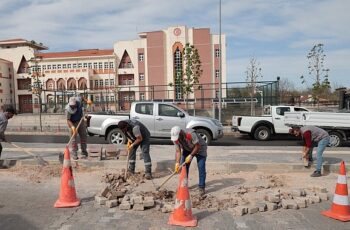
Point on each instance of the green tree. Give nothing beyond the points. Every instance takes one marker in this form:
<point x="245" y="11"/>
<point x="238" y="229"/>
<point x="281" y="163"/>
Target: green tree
<point x="186" y="79"/>
<point x="317" y="73"/>
<point x="253" y="72"/>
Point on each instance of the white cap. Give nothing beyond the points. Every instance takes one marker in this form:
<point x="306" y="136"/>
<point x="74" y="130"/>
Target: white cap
<point x="175" y="131"/>
<point x="72" y="101"/>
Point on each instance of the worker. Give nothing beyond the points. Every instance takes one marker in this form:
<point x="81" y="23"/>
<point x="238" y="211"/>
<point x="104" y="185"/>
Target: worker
<point x="74" y="113"/>
<point x="138" y="135"/>
<point x="4" y="117"/>
<point x="191" y="145"/>
<point x="312" y="134"/>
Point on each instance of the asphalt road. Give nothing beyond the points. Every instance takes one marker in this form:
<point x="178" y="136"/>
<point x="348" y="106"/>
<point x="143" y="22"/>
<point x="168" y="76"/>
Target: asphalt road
<point x="229" y="140"/>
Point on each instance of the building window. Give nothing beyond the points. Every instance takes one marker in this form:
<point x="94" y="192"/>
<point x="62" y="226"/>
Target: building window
<point x="141" y="76"/>
<point x="216" y="94"/>
<point x="74" y="66"/>
<point x="126" y="98"/>
<point x="178" y="73"/>
<point x="111" y="65"/>
<point x="97" y="98"/>
<point x="217" y="73"/>
<point x="91" y="83"/>
<point x="129" y="64"/>
<point x="217" y="53"/>
<point x="112" y="98"/>
<point x="100" y="66"/>
<point x="112" y="81"/>
<point x="54" y="67"/>
<point x="59" y="66"/>
<point x="79" y="65"/>
<point x="142" y="96"/>
<point x="85" y="65"/>
<point x="96" y="83"/>
<point x="101" y="82"/>
<point x="106" y="65"/>
<point x="95" y="65"/>
<point x="69" y="66"/>
<point x="131" y="98"/>
<point x="130" y="82"/>
<point x="90" y="65"/>
<point x="64" y="66"/>
<point x="106" y="82"/>
<point x="48" y="66"/>
<point x="44" y="67"/>
<point x="50" y="85"/>
<point x="107" y="98"/>
<point x="141" y="57"/>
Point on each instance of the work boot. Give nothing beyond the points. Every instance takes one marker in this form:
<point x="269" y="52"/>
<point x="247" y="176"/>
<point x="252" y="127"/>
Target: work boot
<point x="201" y="191"/>
<point x="148" y="176"/>
<point x="316" y="174"/>
<point x="83" y="157"/>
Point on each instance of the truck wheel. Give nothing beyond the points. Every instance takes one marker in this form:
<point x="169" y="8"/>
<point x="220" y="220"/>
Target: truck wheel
<point x="116" y="136"/>
<point x="335" y="140"/>
<point x="205" y="135"/>
<point x="262" y="133"/>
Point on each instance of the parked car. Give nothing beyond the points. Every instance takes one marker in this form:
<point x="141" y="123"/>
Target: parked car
<point x="263" y="127"/>
<point x="158" y="117"/>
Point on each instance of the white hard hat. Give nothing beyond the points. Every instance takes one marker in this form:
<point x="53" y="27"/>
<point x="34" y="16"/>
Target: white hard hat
<point x="175" y="131"/>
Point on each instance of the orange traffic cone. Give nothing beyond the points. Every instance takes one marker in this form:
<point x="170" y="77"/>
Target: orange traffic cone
<point x="68" y="196"/>
<point x="340" y="209"/>
<point x="182" y="214"/>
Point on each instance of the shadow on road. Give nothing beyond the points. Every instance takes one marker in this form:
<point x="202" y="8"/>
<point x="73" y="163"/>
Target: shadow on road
<point x="216" y="185"/>
<point x="13" y="221"/>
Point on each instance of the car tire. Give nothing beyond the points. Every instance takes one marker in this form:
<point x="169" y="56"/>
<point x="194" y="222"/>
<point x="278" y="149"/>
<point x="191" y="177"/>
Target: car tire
<point x="262" y="133"/>
<point x="116" y="136"/>
<point x="335" y="139"/>
<point x="205" y="135"/>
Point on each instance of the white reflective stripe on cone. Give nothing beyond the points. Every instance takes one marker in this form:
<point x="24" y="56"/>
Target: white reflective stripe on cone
<point x="340" y="199"/>
<point x="341" y="179"/>
<point x="66" y="163"/>
<point x="71" y="183"/>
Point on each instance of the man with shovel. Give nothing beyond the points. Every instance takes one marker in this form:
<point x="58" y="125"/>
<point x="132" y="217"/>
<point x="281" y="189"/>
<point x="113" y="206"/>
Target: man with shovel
<point x="74" y="113"/>
<point x="4" y="117"/>
<point x="138" y="135"/>
<point x="192" y="145"/>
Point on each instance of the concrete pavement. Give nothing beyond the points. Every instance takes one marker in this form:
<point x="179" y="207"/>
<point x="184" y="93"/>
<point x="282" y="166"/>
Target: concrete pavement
<point x="225" y="159"/>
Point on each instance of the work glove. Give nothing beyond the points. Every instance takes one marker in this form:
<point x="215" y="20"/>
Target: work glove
<point x="74" y="130"/>
<point x="89" y="102"/>
<point x="177" y="167"/>
<point x="129" y="145"/>
<point x="188" y="159"/>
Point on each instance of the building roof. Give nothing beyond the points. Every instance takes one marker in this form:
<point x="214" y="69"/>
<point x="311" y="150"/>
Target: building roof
<point x="21" y="41"/>
<point x="5" y="61"/>
<point x="79" y="53"/>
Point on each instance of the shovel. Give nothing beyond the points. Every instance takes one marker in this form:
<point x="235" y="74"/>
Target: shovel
<point x="169" y="177"/>
<point x="39" y="159"/>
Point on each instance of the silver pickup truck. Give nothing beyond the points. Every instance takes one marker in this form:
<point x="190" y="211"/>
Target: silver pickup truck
<point x="158" y="117"/>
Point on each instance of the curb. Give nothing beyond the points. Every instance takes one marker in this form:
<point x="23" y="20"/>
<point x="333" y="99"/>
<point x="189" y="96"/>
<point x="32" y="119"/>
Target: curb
<point x="164" y="165"/>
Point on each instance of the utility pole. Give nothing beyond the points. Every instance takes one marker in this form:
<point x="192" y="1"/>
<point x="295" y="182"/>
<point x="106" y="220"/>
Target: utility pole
<point x="220" y="66"/>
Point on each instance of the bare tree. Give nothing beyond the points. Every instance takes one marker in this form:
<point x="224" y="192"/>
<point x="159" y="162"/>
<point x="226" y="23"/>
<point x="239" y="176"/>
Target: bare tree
<point x="317" y="73"/>
<point x="286" y="91"/>
<point x="253" y="72"/>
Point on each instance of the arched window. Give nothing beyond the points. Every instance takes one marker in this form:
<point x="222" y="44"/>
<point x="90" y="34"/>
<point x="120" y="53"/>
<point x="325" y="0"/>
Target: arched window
<point x="178" y="73"/>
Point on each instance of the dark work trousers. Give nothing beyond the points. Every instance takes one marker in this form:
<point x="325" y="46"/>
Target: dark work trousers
<point x="145" y="146"/>
<point x="0" y="149"/>
<point x="200" y="164"/>
<point x="83" y="139"/>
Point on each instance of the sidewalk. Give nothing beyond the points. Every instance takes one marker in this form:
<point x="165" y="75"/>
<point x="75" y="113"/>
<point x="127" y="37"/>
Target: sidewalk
<point x="223" y="159"/>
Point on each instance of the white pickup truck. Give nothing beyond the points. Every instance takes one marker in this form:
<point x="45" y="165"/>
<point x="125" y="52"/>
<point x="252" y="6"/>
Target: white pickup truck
<point x="158" y="117"/>
<point x="336" y="124"/>
<point x="263" y="127"/>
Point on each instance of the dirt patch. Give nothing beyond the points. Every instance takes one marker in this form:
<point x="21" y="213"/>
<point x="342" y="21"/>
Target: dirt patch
<point x="37" y="174"/>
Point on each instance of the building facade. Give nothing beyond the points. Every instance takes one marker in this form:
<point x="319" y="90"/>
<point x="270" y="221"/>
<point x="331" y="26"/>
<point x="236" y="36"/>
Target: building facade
<point x="6" y="84"/>
<point x="141" y="69"/>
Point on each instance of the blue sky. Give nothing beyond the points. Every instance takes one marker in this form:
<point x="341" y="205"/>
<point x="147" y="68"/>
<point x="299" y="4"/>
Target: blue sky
<point x="278" y="33"/>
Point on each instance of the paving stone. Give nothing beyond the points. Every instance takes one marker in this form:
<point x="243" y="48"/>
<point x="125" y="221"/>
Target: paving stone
<point x="111" y="203"/>
<point x="100" y="200"/>
<point x="315" y="199"/>
<point x="148" y="202"/>
<point x="297" y="192"/>
<point x="118" y="194"/>
<point x="167" y="208"/>
<point x="137" y="199"/>
<point x="125" y="198"/>
<point x="253" y="209"/>
<point x="289" y="204"/>
<point x="321" y="189"/>
<point x="323" y="196"/>
<point x="271" y="206"/>
<point x="125" y="206"/>
<point x="262" y="206"/>
<point x="138" y="207"/>
<point x="301" y="202"/>
<point x="273" y="197"/>
<point x="104" y="191"/>
<point x="112" y="210"/>
<point x="239" y="210"/>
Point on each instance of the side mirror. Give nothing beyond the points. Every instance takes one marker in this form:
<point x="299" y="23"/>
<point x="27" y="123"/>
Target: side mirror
<point x="180" y="114"/>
